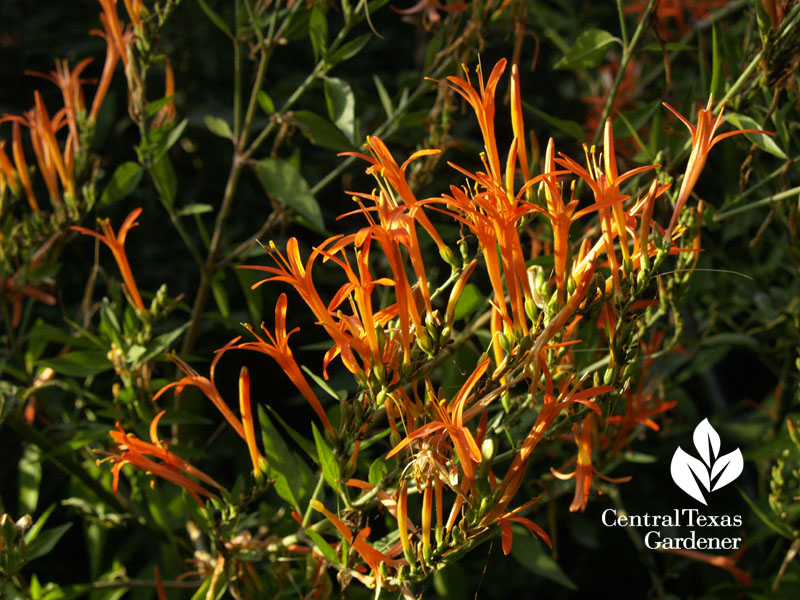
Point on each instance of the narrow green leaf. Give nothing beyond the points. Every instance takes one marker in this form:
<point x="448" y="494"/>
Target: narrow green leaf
<point x="320" y="131"/>
<point x="350" y="49"/>
<point x="321" y="382"/>
<point x="717" y="76"/>
<point x="668" y="46"/>
<point x="37" y="527"/>
<point x="377" y="470"/>
<point x="341" y="105"/>
<point x="384" y="97"/>
<point x="292" y="475"/>
<point x="588" y="50"/>
<point x="47" y="540"/>
<point x="218" y="127"/>
<point x="172" y="137"/>
<point x="330" y="467"/>
<point x="195" y="209"/>
<point x="318" y="32"/>
<point x="530" y="553"/>
<point x="81" y="363"/>
<point x="30" y="477"/>
<point x="220" y="292"/>
<point x="215" y="18"/>
<point x="162" y="342"/>
<point x="163" y="176"/>
<point x="762" y="140"/>
<point x="323" y="546"/>
<point x="124" y="180"/>
<point x="469" y="301"/>
<point x="300" y="440"/>
<point x="265" y="102"/>
<point x="283" y="181"/>
<point x="571" y="128"/>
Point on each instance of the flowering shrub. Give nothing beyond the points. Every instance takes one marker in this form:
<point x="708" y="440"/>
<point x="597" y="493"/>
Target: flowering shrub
<point x="479" y="341"/>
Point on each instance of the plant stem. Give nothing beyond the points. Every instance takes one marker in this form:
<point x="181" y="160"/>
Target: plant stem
<point x="627" y="54"/>
<point x="758" y="203"/>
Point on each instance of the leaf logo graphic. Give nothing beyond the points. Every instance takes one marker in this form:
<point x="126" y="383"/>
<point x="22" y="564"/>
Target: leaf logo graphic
<point x="713" y="472"/>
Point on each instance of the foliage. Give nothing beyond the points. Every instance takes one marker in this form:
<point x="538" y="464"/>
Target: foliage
<point x="498" y="297"/>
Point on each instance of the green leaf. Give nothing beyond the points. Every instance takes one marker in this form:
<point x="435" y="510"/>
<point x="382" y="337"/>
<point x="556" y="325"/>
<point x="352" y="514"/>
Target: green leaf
<point x="30" y="477"/>
<point x="220" y="292"/>
<point x="292" y="476"/>
<point x="384" y="97"/>
<point x="318" y="32"/>
<point x="530" y="553"/>
<point x="341" y="105"/>
<point x="669" y="47"/>
<point x="34" y="531"/>
<point x="762" y="140"/>
<point x="156" y="105"/>
<point x="320" y="131"/>
<point x="330" y="467"/>
<point x="323" y="546"/>
<point x="215" y="18"/>
<point x="169" y="141"/>
<point x="163" y="176"/>
<point x="253" y="297"/>
<point x="588" y="50"/>
<point x="321" y="382"/>
<point x="349" y="50"/>
<point x="300" y="440"/>
<point x="377" y="471"/>
<point x="195" y="209"/>
<point x="265" y="102"/>
<point x="468" y="302"/>
<point x="47" y="540"/>
<point x="124" y="180"/>
<point x="717" y="76"/>
<point x="162" y="342"/>
<point x="571" y="128"/>
<point x="283" y="182"/>
<point x="81" y="363"/>
<point x="218" y="127"/>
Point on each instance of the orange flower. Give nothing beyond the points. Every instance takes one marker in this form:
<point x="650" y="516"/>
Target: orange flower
<point x="206" y="386"/>
<point x="247" y="421"/>
<point x="703" y="140"/>
<point x="116" y="242"/>
<point x="368" y="553"/>
<point x="451" y="422"/>
<point x="291" y="270"/>
<point x="278" y="349"/>
<point x="585" y="471"/>
<point x="172" y="468"/>
<point x="507" y="519"/>
<point x="742" y="577"/>
<point x="605" y="187"/>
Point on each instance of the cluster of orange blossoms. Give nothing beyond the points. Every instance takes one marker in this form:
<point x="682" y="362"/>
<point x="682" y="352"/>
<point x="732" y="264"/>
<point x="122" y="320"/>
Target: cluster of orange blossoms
<point x="445" y="444"/>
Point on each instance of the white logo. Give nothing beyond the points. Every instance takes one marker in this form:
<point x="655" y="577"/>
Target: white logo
<point x="718" y="471"/>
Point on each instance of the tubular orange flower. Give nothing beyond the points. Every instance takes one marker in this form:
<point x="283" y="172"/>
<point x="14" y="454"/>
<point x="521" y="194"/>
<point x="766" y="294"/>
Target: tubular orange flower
<point x="22" y="166"/>
<point x="703" y="140"/>
<point x="278" y="349"/>
<point x="507" y="519"/>
<point x="172" y="468"/>
<point x="371" y="556"/>
<point x="742" y="577"/>
<point x="605" y="187"/>
<point x="206" y="386"/>
<point x="247" y="420"/>
<point x="585" y="471"/>
<point x="451" y="422"/>
<point x="291" y="270"/>
<point x="116" y="242"/>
